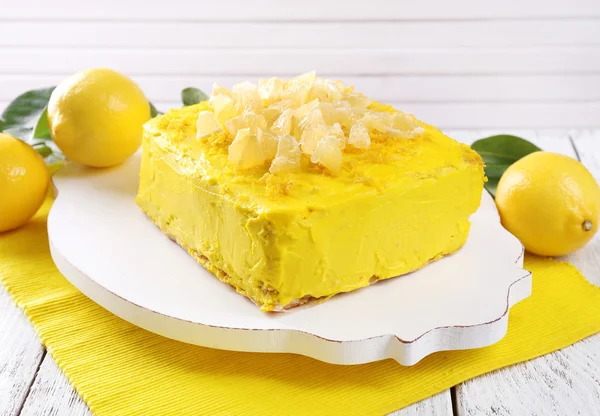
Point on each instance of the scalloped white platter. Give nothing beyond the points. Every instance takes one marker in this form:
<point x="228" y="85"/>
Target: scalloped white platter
<point x="105" y="246"/>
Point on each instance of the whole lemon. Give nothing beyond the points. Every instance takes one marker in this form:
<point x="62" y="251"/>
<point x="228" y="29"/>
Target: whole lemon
<point x="24" y="181"/>
<point x="96" y="116"/>
<point x="550" y="202"/>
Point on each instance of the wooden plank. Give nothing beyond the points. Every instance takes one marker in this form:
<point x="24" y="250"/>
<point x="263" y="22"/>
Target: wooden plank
<point x="478" y="115"/>
<point x="466" y="136"/>
<point x="426" y="89"/>
<point x="51" y="394"/>
<point x="284" y="61"/>
<point x="455" y="115"/>
<point x="548" y="115"/>
<point x="344" y="35"/>
<point x="587" y="144"/>
<point x="552" y="140"/>
<point x="20" y="355"/>
<point x="438" y="405"/>
<point x="561" y="383"/>
<point x="234" y="10"/>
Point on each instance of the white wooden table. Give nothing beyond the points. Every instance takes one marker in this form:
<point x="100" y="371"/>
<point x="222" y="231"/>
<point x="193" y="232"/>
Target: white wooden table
<point x="566" y="382"/>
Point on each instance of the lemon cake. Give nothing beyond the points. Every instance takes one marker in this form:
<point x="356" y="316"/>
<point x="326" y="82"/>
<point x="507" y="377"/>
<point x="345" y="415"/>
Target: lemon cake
<point x="302" y="189"/>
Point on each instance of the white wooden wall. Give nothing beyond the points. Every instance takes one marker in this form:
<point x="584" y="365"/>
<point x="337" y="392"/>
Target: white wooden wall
<point x="458" y="64"/>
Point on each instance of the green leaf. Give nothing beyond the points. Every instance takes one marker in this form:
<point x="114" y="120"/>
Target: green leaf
<point x="191" y="96"/>
<point x="42" y="130"/>
<point x="49" y="151"/>
<point x="504" y="147"/>
<point x="491" y="185"/>
<point x="25" y="115"/>
<point x="27" y="119"/>
<point x="42" y="149"/>
<point x="153" y="111"/>
<point x="54" y="162"/>
<point x="498" y="153"/>
<point x="52" y="155"/>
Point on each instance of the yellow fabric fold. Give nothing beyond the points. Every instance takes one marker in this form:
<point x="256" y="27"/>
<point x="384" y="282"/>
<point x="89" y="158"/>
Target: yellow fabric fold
<point x="120" y="369"/>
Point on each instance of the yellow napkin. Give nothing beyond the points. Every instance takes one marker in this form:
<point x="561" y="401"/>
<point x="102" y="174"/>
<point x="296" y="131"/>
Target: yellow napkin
<point x="120" y="369"/>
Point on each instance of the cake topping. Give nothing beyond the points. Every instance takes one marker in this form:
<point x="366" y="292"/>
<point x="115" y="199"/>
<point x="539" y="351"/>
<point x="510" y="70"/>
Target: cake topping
<point x="268" y="143"/>
<point x="276" y="121"/>
<point x="359" y="136"/>
<point x="287" y="158"/>
<point x="247" y="120"/>
<point x="327" y="153"/>
<point x="283" y="125"/>
<point x="245" y="151"/>
<point x="206" y="124"/>
<point x="223" y="106"/>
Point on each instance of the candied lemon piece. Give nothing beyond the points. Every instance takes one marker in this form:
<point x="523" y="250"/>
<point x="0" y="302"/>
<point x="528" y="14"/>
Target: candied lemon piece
<point x="311" y="135"/>
<point x="417" y="131"/>
<point x="287" y="158"/>
<point x="246" y="121"/>
<point x="359" y="136"/>
<point x="283" y="124"/>
<point x="281" y="106"/>
<point x="343" y="113"/>
<point x="218" y="89"/>
<point x="326" y="90"/>
<point x="337" y="112"/>
<point x="270" y="115"/>
<point x="329" y="112"/>
<point x="336" y="131"/>
<point x="244" y="86"/>
<point x="206" y="124"/>
<point x="223" y="106"/>
<point x="297" y="94"/>
<point x="306" y="108"/>
<point x="358" y="100"/>
<point x="404" y="125"/>
<point x="375" y="120"/>
<point x="356" y="113"/>
<point x="341" y="104"/>
<point x="270" y="90"/>
<point x="327" y="153"/>
<point x="404" y="122"/>
<point x="274" y="110"/>
<point x="312" y="118"/>
<point x="303" y="79"/>
<point x="247" y="98"/>
<point x="297" y="89"/>
<point x="268" y="143"/>
<point x="245" y="151"/>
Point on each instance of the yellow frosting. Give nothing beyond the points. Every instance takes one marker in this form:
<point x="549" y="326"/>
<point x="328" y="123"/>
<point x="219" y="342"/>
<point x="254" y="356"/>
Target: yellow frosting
<point x="278" y="238"/>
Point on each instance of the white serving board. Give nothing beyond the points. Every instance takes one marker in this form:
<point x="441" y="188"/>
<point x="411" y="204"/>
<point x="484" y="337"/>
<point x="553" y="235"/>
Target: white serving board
<point x="108" y="249"/>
